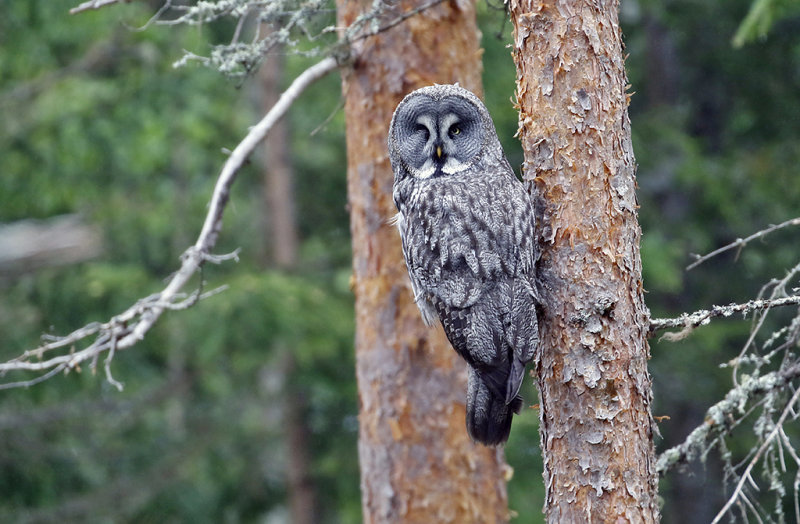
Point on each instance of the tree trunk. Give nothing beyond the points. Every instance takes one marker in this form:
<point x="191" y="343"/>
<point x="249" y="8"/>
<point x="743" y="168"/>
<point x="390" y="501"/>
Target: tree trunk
<point x="281" y="243"/>
<point x="417" y="462"/>
<point x="278" y="188"/>
<point x="596" y="427"/>
<point x="300" y="482"/>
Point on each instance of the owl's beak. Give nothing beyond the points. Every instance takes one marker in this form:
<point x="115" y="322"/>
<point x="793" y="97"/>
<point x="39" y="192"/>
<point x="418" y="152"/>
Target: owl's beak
<point x="438" y="151"/>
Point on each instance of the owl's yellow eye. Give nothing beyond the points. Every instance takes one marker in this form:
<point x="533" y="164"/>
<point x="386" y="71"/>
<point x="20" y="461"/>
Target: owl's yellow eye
<point x="455" y="130"/>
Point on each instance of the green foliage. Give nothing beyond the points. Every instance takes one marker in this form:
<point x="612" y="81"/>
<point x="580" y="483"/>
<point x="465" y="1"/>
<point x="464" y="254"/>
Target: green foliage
<point x="96" y="121"/>
<point x="306" y="28"/>
<point x="197" y="434"/>
<point x="761" y="17"/>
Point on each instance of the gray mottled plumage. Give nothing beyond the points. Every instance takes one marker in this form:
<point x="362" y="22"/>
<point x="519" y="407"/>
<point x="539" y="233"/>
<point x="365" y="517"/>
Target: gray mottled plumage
<point x="467" y="228"/>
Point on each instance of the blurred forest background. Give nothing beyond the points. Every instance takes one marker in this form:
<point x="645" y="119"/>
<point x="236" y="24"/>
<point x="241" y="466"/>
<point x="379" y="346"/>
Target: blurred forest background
<point x="235" y="406"/>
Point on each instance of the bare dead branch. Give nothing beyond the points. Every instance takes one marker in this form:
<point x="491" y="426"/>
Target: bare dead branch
<point x="41" y="378"/>
<point x="775" y="289"/>
<point x="94" y="4"/>
<point x="126" y="329"/>
<point x="760" y="395"/>
<point x="720" y="415"/>
<point x="129" y="327"/>
<point x="247" y="146"/>
<point x="689" y="321"/>
<point x="739" y="243"/>
<point x="746" y="475"/>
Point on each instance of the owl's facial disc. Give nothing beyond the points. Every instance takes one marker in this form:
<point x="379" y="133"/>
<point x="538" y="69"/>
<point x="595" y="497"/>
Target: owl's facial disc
<point x="451" y="130"/>
<point x="431" y="151"/>
<point x="442" y="137"/>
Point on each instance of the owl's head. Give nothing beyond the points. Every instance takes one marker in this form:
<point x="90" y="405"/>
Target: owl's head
<point x="439" y="130"/>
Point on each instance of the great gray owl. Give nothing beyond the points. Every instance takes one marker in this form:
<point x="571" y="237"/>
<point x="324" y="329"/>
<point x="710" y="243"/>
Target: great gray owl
<point x="467" y="228"/>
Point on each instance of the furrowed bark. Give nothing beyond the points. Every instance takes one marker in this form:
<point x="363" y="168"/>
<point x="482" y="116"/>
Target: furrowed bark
<point x="417" y="462"/>
<point x="595" y="390"/>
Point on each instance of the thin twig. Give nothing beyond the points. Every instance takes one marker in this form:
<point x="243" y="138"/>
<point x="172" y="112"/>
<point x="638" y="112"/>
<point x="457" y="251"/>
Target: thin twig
<point x="207" y="239"/>
<point x="718" y="416"/>
<point x="107" y="364"/>
<point x="796" y="485"/>
<point x="239" y="25"/>
<point x="155" y="18"/>
<point x="741" y="242"/>
<point x="193" y="299"/>
<point x="746" y="475"/>
<point x="778" y="290"/>
<point x="28" y="383"/>
<point x="129" y="327"/>
<point x="689" y="321"/>
<point x="93" y="4"/>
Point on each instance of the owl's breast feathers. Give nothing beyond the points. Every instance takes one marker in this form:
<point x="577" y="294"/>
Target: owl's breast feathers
<point x="470" y="249"/>
<point x="461" y="235"/>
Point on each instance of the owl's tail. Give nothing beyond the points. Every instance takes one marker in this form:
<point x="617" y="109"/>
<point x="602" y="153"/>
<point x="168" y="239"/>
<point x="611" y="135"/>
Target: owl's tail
<point x="488" y="415"/>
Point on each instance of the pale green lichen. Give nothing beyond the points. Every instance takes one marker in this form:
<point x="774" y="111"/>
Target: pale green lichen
<point x="262" y="27"/>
